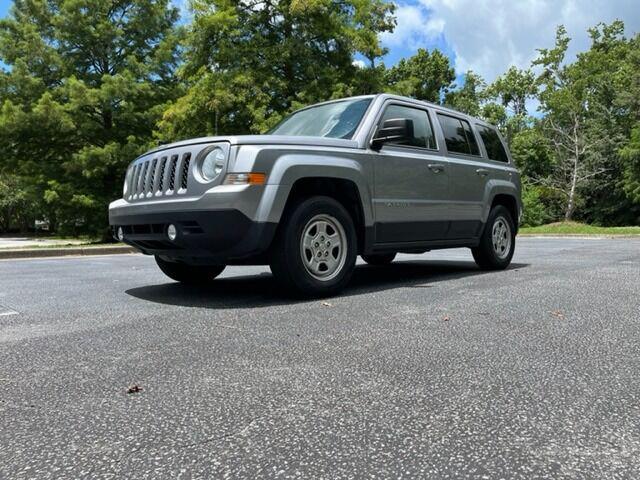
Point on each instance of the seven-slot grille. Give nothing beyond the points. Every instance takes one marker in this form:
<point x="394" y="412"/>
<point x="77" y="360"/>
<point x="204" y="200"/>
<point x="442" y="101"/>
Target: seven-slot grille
<point x="158" y="176"/>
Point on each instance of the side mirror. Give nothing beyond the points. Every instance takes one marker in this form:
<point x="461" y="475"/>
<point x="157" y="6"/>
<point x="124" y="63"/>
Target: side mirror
<point x="393" y="130"/>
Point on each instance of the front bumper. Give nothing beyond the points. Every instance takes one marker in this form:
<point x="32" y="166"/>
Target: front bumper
<point x="214" y="237"/>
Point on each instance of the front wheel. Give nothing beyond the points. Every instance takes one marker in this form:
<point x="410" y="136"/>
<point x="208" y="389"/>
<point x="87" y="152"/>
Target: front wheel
<point x="498" y="241"/>
<point x="314" y="252"/>
<point x="191" y="274"/>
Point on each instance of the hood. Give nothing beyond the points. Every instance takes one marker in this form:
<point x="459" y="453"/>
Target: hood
<point x="263" y="140"/>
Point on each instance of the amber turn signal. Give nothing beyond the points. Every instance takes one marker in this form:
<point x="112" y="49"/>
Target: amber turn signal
<point x="250" y="178"/>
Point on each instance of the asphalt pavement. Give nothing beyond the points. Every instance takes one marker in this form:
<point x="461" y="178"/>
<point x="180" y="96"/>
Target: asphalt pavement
<point x="428" y="368"/>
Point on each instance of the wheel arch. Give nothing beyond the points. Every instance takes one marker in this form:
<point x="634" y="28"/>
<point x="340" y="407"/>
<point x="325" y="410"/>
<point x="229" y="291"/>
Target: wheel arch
<point x="344" y="190"/>
<point x="510" y="203"/>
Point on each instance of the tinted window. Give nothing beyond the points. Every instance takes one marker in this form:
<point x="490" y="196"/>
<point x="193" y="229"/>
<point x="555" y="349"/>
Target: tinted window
<point x="458" y="135"/>
<point x="335" y="120"/>
<point x="422" y="132"/>
<point x="493" y="144"/>
<point x="471" y="138"/>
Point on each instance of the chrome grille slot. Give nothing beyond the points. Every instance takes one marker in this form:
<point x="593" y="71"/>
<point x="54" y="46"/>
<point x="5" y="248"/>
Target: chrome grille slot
<point x="152" y="176"/>
<point x="142" y="179"/>
<point x="172" y="172"/>
<point x="186" y="160"/>
<point x="132" y="181"/>
<point x="163" y="164"/>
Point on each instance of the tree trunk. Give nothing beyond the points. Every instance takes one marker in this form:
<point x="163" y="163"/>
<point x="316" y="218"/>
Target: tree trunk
<point x="571" y="204"/>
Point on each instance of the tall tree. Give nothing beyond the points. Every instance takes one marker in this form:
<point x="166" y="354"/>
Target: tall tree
<point x="512" y="90"/>
<point x="424" y="76"/>
<point x="87" y="83"/>
<point x="470" y="96"/>
<point x="248" y="63"/>
<point x="568" y="100"/>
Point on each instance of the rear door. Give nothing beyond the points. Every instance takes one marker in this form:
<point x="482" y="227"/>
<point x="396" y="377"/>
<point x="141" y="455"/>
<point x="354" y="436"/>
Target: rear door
<point x="411" y="186"/>
<point x="468" y="176"/>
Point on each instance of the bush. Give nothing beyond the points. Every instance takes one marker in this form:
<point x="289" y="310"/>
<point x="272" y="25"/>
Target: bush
<point x="535" y="211"/>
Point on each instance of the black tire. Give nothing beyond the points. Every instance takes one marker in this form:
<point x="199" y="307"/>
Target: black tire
<point x="499" y="257"/>
<point x="379" y="258"/>
<point x="295" y="273"/>
<point x="191" y="274"/>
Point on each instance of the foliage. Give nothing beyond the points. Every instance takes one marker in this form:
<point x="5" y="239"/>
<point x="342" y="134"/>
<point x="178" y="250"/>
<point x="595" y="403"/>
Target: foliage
<point x="584" y="123"/>
<point x="87" y="83"/>
<point x="90" y="84"/>
<point x="469" y="97"/>
<point x="534" y="210"/>
<point x="248" y="63"/>
<point x="425" y="76"/>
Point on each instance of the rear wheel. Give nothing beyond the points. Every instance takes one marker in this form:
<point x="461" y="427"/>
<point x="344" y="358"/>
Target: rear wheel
<point x="379" y="259"/>
<point x="498" y="241"/>
<point x="315" y="250"/>
<point x="192" y="274"/>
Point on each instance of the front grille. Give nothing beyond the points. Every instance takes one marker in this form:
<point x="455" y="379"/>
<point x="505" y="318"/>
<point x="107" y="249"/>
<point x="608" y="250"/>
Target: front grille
<point x="159" y="176"/>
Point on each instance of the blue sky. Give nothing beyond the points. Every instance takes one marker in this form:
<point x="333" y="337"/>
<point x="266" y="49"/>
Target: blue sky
<point x="488" y="36"/>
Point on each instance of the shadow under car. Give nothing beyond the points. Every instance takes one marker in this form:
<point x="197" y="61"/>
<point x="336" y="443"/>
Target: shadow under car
<point x="262" y="291"/>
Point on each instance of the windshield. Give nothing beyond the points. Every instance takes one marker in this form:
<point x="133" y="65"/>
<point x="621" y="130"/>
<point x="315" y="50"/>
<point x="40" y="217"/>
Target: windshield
<point x="334" y="120"/>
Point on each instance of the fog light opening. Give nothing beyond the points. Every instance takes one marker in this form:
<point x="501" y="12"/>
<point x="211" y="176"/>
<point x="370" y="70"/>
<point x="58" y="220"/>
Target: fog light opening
<point x="172" y="232"/>
<point x="120" y="234"/>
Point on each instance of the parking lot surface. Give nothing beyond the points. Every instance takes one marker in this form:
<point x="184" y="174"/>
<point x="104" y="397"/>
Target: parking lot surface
<point x="428" y="368"/>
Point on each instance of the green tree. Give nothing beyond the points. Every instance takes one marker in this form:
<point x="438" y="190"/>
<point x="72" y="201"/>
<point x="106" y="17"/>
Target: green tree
<point x="627" y="101"/>
<point x="532" y="153"/>
<point x="18" y="207"/>
<point x="248" y="63"/>
<point x="470" y="97"/>
<point x="568" y="101"/>
<point x="424" y="76"/>
<point x="511" y="91"/>
<point x="88" y="81"/>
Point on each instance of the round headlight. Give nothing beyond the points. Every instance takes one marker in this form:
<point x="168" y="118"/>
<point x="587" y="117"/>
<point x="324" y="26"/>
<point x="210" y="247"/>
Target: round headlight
<point x="213" y="164"/>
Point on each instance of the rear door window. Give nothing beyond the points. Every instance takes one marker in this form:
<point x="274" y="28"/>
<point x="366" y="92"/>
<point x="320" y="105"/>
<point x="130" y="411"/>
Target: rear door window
<point x="458" y="135"/>
<point x="492" y="144"/>
<point x="422" y="132"/>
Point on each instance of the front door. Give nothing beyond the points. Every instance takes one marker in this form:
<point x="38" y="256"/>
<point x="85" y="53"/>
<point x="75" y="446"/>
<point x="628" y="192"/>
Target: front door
<point x="411" y="186"/>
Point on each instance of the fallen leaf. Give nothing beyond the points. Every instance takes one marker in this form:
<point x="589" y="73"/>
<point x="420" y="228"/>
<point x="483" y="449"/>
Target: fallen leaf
<point x="557" y="313"/>
<point x="134" y="389"/>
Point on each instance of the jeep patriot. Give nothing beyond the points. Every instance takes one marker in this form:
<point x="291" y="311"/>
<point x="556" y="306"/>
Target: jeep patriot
<point x="370" y="176"/>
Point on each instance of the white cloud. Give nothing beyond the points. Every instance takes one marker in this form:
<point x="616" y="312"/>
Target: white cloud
<point x="488" y="36"/>
<point x="359" y="63"/>
<point x="414" y="28"/>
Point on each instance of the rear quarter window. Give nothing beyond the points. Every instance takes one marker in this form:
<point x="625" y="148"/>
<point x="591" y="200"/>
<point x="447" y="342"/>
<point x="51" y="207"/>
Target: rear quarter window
<point x="458" y="135"/>
<point x="492" y="144"/>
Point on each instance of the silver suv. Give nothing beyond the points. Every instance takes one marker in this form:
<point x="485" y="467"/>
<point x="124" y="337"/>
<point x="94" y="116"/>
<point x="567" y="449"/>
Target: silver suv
<point x="369" y="176"/>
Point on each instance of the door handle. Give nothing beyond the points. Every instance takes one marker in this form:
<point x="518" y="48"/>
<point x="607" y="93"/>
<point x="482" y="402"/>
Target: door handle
<point x="435" y="167"/>
<point x="483" y="172"/>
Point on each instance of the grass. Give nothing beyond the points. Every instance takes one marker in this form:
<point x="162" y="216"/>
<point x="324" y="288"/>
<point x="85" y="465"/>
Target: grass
<point x="575" y="228"/>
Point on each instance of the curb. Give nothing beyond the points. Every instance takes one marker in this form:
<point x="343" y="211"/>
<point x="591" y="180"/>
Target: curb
<point x="64" y="252"/>
<point x="594" y="236"/>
